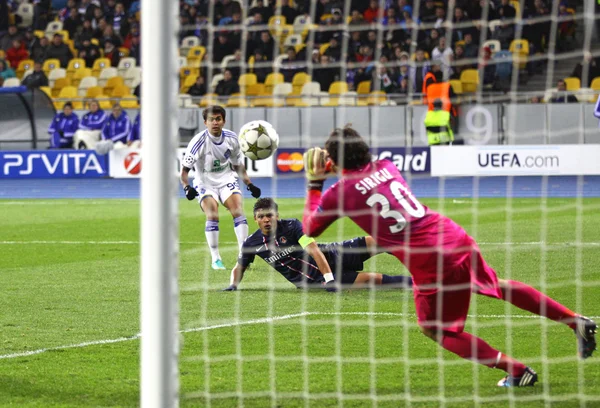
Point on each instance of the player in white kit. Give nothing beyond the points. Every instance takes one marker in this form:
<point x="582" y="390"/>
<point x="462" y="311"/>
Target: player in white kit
<point x="215" y="156"/>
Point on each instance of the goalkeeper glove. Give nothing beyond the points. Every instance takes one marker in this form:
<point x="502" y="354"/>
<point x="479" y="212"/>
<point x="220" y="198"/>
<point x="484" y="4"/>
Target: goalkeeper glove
<point x="254" y="190"/>
<point x="190" y="192"/>
<point x="315" y="159"/>
<point x="231" y="288"/>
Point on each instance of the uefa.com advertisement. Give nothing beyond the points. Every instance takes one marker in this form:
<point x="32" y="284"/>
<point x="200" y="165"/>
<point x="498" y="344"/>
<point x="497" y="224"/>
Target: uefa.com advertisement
<point x="526" y="160"/>
<point x="412" y="159"/>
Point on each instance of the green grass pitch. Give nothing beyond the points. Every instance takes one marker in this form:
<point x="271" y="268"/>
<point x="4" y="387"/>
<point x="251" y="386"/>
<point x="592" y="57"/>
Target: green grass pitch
<point x="70" y="276"/>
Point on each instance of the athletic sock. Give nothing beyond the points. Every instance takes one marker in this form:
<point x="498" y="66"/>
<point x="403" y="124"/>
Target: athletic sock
<point x="240" y="226"/>
<point x="404" y="281"/>
<point x="475" y="349"/>
<point x="212" y="237"/>
<point x="527" y="298"/>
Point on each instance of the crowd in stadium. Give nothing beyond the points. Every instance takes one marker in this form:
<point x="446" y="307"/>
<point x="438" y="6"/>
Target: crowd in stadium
<point x="374" y="49"/>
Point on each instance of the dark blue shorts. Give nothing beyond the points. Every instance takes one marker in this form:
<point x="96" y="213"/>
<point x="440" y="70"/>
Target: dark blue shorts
<point x="347" y="257"/>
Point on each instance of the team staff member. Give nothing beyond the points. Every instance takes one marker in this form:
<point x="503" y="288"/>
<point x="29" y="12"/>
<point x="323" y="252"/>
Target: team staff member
<point x="118" y="126"/>
<point x="63" y="127"/>
<point x="438" y="126"/>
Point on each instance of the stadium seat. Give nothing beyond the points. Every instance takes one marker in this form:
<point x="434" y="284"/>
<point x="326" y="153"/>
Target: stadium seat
<point x="74" y="65"/>
<point x="125" y="64"/>
<point x="11" y="82"/>
<point x="187" y="72"/>
<point x="38" y="33"/>
<point x="520" y="51"/>
<point x="494" y="46"/>
<point x="302" y="25"/>
<point x="338" y="88"/>
<point x="28" y="72"/>
<point x="85" y="83"/>
<point x="255" y="90"/>
<point x="65" y="35"/>
<point x="348" y="99"/>
<point x="133" y="77"/>
<point x="123" y="52"/>
<point x="23" y="66"/>
<point x="79" y="75"/>
<point x="504" y="65"/>
<point x="25" y="11"/>
<point x="573" y="83"/>
<point x="215" y="81"/>
<point x="275" y="24"/>
<point x="277" y="64"/>
<point x="271" y="80"/>
<point x="492" y="25"/>
<point x="129" y="101"/>
<point x="292" y="40"/>
<point x="595" y="85"/>
<point x="300" y="78"/>
<point x="120" y="91"/>
<point x="195" y="55"/>
<point x="470" y="80"/>
<point x="187" y="43"/>
<point x="363" y="89"/>
<point x="53" y="27"/>
<point x="209" y="99"/>
<point x="111" y="83"/>
<point x="226" y="60"/>
<point x="59" y="84"/>
<point x="46" y="90"/>
<point x="586" y="95"/>
<point x="50" y="64"/>
<point x="182" y="61"/>
<point x="188" y="81"/>
<point x="99" y="65"/>
<point x="323" y="48"/>
<point x="517" y="6"/>
<point x="93" y="92"/>
<point x="67" y="93"/>
<point x="245" y="80"/>
<point x="310" y="95"/>
<point x="104" y="102"/>
<point x="456" y="86"/>
<point x="55" y="74"/>
<point x="105" y="75"/>
<point x="376" y="98"/>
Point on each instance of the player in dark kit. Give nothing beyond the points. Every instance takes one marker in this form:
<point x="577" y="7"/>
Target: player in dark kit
<point x="443" y="259"/>
<point x="303" y="262"/>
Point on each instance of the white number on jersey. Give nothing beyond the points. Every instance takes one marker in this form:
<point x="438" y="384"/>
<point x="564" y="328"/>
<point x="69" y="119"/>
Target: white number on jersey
<point x="399" y="191"/>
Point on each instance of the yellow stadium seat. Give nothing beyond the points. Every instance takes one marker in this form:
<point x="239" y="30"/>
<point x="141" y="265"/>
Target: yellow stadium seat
<point x="196" y="54"/>
<point x="39" y="33"/>
<point x="67" y="93"/>
<point x="188" y="81"/>
<point x="236" y="100"/>
<point x="267" y="102"/>
<point x="111" y="83"/>
<point x="376" y="98"/>
<point x="255" y="90"/>
<point x="520" y="51"/>
<point x="104" y="102"/>
<point x="275" y="24"/>
<point x="246" y="80"/>
<point x="209" y="99"/>
<point x="300" y="78"/>
<point x="93" y="92"/>
<point x="470" y="80"/>
<point x="59" y="84"/>
<point x="50" y="64"/>
<point x="338" y="88"/>
<point x="573" y="83"/>
<point x="271" y="80"/>
<point x="47" y="90"/>
<point x="23" y="66"/>
<point x="79" y="75"/>
<point x="456" y="86"/>
<point x="65" y="35"/>
<point x="123" y="52"/>
<point x="323" y="48"/>
<point x="74" y="65"/>
<point x="99" y="65"/>
<point x="120" y="91"/>
<point x="595" y="85"/>
<point x="188" y="71"/>
<point x="129" y="101"/>
<point x="517" y="5"/>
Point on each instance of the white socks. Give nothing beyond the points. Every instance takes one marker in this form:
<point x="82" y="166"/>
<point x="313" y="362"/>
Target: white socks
<point x="240" y="226"/>
<point x="212" y="237"/>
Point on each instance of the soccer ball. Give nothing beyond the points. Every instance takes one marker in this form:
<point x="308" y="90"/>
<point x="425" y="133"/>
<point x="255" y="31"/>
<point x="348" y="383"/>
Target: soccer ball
<point x="258" y="140"/>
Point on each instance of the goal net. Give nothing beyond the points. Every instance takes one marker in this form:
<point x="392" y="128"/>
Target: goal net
<point x="519" y="177"/>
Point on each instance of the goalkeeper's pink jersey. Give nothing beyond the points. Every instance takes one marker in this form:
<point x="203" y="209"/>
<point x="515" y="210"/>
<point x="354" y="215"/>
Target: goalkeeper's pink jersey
<point x="378" y="199"/>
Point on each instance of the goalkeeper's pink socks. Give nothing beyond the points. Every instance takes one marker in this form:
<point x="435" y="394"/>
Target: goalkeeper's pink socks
<point x="473" y="348"/>
<point x="527" y="298"/>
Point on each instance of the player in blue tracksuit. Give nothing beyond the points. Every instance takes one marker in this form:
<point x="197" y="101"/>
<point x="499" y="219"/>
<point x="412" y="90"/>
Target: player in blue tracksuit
<point x="117" y="126"/>
<point x="303" y="262"/>
<point x="94" y="119"/>
<point x="135" y="130"/>
<point x="63" y="127"/>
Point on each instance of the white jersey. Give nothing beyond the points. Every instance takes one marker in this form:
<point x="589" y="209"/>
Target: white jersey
<point x="211" y="157"/>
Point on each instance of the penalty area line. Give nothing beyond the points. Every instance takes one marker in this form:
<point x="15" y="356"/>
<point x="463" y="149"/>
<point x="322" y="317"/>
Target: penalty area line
<point x="263" y="320"/>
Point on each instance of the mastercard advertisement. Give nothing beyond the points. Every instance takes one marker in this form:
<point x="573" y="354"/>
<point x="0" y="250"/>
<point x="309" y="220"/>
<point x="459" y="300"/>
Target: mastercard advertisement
<point x="289" y="161"/>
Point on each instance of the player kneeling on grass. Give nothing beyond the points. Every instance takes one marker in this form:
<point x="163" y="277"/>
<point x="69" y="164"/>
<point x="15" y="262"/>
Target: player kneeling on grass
<point x="443" y="259"/>
<point x="303" y="262"/>
<point x="216" y="157"/>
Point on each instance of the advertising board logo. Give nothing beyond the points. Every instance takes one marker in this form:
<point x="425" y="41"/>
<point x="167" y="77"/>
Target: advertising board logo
<point x="133" y="163"/>
<point x="518" y="160"/>
<point x="51" y="164"/>
<point x="414" y="160"/>
<point x="290" y="162"/>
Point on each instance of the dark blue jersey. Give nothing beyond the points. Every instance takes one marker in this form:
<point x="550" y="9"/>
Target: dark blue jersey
<point x="285" y="253"/>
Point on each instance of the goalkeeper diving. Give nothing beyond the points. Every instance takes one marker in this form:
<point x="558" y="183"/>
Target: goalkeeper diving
<point x="303" y="262"/>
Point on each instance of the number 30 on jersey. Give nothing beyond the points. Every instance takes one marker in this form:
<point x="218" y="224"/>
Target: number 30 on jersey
<point x="413" y="208"/>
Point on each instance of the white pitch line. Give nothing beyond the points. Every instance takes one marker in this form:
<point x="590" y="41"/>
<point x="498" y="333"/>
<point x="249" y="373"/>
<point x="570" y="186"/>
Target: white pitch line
<point x="249" y="322"/>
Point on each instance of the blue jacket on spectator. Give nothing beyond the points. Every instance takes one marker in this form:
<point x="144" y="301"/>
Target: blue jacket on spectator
<point x="93" y="120"/>
<point x="135" y="130"/>
<point x="63" y="127"/>
<point x="117" y="129"/>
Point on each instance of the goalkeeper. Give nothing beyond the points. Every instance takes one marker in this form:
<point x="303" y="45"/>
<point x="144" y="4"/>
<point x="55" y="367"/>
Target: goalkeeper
<point x="303" y="262"/>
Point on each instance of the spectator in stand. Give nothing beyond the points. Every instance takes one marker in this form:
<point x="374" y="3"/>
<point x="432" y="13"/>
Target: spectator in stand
<point x="440" y="20"/>
<point x="235" y="65"/>
<point x="99" y="28"/>
<point x="126" y="29"/>
<point x="254" y="26"/>
<point x="390" y="19"/>
<point x="117" y="126"/>
<point x="566" y="26"/>
<point x="63" y="127"/>
<point x="592" y="65"/>
<point x="383" y="80"/>
<point x="94" y="119"/>
<point x="227" y="85"/>
<point x="59" y="50"/>
<point x="506" y="11"/>
<point x="372" y="14"/>
<point x="356" y="18"/>
<point x="16" y="53"/>
<point x="224" y="9"/>
<point x="419" y="68"/>
<point x="222" y="47"/>
<point x="111" y="52"/>
<point x="262" y="67"/>
<point x="199" y="87"/>
<point x="132" y="30"/>
<point x="562" y="96"/>
<point x="489" y="69"/>
<point x="504" y="33"/>
<point x="471" y="50"/>
<point x="324" y="74"/>
<point x="445" y="55"/>
<point x="119" y="18"/>
<point x="39" y="49"/>
<point x="462" y="24"/>
<point x="109" y="35"/>
<point x="85" y="30"/>
<point x="459" y="63"/>
<point x="262" y="8"/>
<point x="7" y="39"/>
<point x="292" y="65"/>
<point x="88" y="51"/>
<point x="6" y="71"/>
<point x="42" y="14"/>
<point x="430" y="42"/>
<point x="86" y="9"/>
<point x="136" y="49"/>
<point x="73" y="22"/>
<point x="65" y="12"/>
<point x="334" y="51"/>
<point x="135" y="136"/>
<point x="37" y="78"/>
<point x="536" y="32"/>
<point x="109" y="9"/>
<point x="29" y="39"/>
<point x="427" y="13"/>
<point x="235" y="34"/>
<point x="287" y="11"/>
<point x="336" y="20"/>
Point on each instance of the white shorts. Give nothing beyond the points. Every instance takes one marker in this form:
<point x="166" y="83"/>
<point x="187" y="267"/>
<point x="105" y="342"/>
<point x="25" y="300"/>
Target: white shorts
<point x="220" y="193"/>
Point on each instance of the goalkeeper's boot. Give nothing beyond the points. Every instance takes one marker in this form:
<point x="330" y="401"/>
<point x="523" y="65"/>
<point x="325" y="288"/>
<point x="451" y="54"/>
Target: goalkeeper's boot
<point x="218" y="265"/>
<point x="586" y="336"/>
<point x="527" y="379"/>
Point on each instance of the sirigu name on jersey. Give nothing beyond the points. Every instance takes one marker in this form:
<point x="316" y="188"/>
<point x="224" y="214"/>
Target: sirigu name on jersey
<point x="281" y="254"/>
<point x="372" y="181"/>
